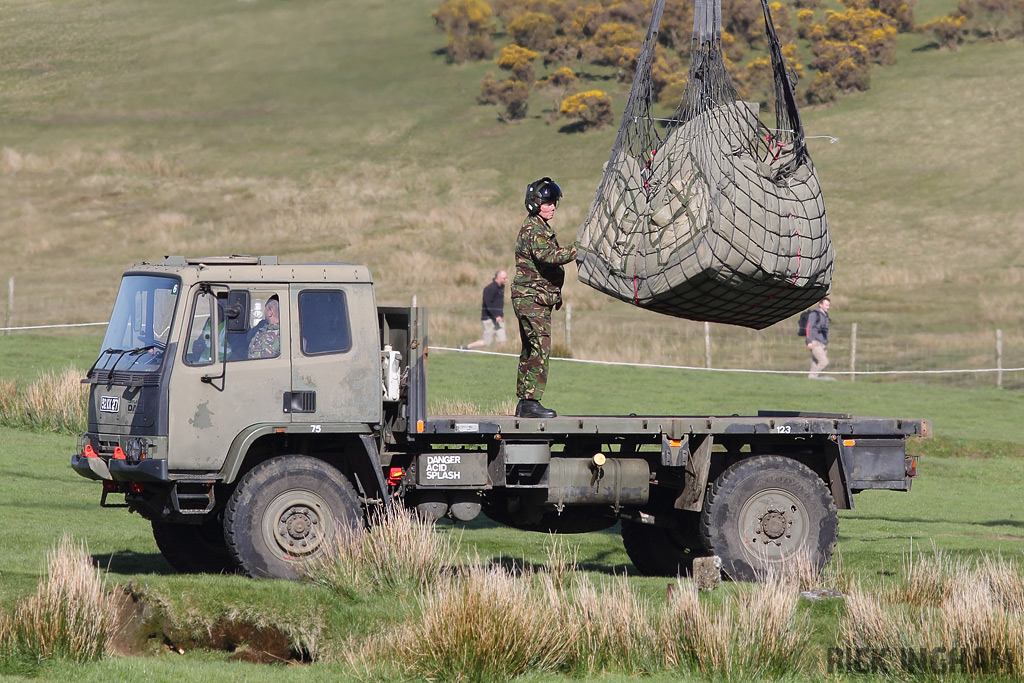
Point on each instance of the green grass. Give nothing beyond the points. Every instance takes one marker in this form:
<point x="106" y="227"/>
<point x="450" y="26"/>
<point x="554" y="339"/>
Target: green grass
<point x="958" y="505"/>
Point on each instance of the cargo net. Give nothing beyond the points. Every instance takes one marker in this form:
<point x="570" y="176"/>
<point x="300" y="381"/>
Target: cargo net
<point x="709" y="215"/>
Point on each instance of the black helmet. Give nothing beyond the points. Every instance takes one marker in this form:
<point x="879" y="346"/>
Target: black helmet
<point x="543" y="191"/>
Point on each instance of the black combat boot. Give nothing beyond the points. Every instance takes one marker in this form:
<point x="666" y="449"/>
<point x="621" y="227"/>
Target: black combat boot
<point x="529" y="407"/>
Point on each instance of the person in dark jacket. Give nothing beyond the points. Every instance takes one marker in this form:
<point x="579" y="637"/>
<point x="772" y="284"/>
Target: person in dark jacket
<point x="817" y="338"/>
<point x="536" y="291"/>
<point x="492" y="312"/>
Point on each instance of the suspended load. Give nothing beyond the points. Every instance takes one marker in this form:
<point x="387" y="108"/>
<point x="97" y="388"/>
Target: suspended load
<point x="710" y="215"/>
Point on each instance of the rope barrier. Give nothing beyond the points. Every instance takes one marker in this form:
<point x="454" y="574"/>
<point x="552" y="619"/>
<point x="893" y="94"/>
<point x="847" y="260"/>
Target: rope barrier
<point x="649" y="365"/>
<point x="759" y="372"/>
<point x="44" y="327"/>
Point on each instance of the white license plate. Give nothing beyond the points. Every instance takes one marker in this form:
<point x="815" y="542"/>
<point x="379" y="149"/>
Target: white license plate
<point x="110" y="404"/>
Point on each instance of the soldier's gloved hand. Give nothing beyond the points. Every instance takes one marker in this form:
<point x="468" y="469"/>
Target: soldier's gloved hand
<point x="558" y="305"/>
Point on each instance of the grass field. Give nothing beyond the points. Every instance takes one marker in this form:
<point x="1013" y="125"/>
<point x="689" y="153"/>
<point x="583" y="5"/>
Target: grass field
<point x="962" y="504"/>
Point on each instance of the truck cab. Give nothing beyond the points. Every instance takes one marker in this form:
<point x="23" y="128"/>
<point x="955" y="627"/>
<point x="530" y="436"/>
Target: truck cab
<point x="187" y="394"/>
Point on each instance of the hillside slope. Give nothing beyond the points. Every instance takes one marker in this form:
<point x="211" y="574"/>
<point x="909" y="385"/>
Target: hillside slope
<point x="321" y="131"/>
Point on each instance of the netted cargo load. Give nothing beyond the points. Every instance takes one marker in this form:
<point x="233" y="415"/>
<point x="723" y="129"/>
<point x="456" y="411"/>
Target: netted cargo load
<point x="709" y="214"/>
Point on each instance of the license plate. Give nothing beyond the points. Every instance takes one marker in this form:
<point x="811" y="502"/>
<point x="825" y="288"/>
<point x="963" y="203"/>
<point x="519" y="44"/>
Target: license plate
<point x="110" y="404"/>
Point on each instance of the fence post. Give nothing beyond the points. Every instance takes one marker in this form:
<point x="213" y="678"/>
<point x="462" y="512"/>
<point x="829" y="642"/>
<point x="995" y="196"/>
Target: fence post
<point x="999" y="359"/>
<point x="568" y="325"/>
<point x="10" y="304"/>
<point x="853" y="353"/>
<point x="707" y="344"/>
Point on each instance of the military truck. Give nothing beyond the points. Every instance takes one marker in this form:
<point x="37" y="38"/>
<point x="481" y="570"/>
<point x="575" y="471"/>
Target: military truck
<point x="258" y="460"/>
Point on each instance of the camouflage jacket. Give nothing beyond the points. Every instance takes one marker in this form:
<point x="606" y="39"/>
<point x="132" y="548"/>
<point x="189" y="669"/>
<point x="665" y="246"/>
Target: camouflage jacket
<point x="266" y="343"/>
<point x="539" y="261"/>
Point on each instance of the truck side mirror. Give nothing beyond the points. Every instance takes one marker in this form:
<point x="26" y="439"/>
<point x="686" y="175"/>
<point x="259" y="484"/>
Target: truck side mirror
<point x="237" y="311"/>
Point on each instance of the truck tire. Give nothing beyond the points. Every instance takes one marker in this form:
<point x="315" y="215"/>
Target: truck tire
<point x="663" y="551"/>
<point x="763" y="511"/>
<point x="285" y="511"/>
<point x="195" y="548"/>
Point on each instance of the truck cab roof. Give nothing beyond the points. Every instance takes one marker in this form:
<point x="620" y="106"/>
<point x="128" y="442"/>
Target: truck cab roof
<point x="254" y="269"/>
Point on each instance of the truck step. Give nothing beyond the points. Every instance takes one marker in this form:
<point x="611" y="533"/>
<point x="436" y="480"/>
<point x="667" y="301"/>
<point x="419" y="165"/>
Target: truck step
<point x="193" y="499"/>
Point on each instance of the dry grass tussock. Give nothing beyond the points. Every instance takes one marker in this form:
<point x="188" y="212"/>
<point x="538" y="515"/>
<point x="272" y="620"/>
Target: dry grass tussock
<point x="756" y="633"/>
<point x="56" y="402"/>
<point x="971" y="612"/>
<point x="71" y="616"/>
<point x="458" y="406"/>
<point x="487" y="622"/>
<point x="483" y="624"/>
<point x="398" y="553"/>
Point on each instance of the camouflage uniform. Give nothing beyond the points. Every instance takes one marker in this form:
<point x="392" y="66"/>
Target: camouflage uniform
<point x="266" y="343"/>
<point x="536" y="290"/>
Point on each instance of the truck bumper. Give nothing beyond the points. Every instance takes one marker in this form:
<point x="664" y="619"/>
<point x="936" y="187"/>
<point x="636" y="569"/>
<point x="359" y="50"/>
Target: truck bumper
<point x="145" y="470"/>
<point x="90" y="468"/>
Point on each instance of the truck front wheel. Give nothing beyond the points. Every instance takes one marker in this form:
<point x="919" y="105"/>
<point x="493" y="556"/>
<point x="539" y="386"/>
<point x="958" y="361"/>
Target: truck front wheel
<point x="194" y="548"/>
<point x="285" y="511"/>
<point x="766" y="511"/>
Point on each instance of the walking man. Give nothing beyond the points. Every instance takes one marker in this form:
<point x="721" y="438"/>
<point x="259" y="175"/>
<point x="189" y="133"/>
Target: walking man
<point x="817" y="338"/>
<point x="492" y="312"/>
<point x="536" y="290"/>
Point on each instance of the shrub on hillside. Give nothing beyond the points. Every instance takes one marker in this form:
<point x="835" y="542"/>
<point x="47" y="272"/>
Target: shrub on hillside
<point x="992" y="19"/>
<point x="744" y="20"/>
<point x="514" y="96"/>
<point x="782" y="20"/>
<point x="618" y="45"/>
<point x="592" y="109"/>
<point x="948" y="31"/>
<point x="847" y="63"/>
<point x="900" y="10"/>
<point x="468" y="25"/>
<point x="874" y="30"/>
<point x="822" y="89"/>
<point x="804" y="23"/>
<point x="677" y="24"/>
<point x="518" y="60"/>
<point x="533" y="30"/>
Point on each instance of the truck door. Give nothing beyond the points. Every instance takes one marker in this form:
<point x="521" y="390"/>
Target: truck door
<point x="217" y="387"/>
<point x="336" y="375"/>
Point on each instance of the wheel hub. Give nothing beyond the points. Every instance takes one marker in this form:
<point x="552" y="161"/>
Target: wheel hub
<point x="296" y="524"/>
<point x="774" y="524"/>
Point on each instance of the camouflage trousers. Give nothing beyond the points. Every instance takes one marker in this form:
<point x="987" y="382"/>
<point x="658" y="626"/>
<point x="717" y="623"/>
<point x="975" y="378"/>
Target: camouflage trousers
<point x="535" y="333"/>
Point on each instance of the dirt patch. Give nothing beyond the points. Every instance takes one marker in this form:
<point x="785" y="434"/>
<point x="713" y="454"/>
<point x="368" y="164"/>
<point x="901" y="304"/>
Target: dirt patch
<point x="144" y="629"/>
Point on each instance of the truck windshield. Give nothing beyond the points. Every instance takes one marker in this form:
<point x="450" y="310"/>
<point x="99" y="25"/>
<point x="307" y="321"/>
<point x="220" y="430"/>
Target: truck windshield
<point x="140" y="324"/>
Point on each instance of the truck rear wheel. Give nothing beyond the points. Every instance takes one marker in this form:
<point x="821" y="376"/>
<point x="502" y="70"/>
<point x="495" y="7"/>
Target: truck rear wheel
<point x="765" y="511"/>
<point x="285" y="511"/>
<point x="664" y="551"/>
<point x="195" y="548"/>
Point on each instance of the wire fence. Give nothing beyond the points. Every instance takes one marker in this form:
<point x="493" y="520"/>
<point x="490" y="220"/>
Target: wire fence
<point x="976" y="358"/>
<point x="856" y="352"/>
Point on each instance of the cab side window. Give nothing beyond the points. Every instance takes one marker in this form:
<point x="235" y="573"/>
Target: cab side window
<point x="197" y="350"/>
<point x="324" y="322"/>
<point x="230" y="345"/>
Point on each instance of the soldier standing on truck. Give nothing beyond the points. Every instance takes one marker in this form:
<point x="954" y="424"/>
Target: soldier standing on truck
<point x="536" y="290"/>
